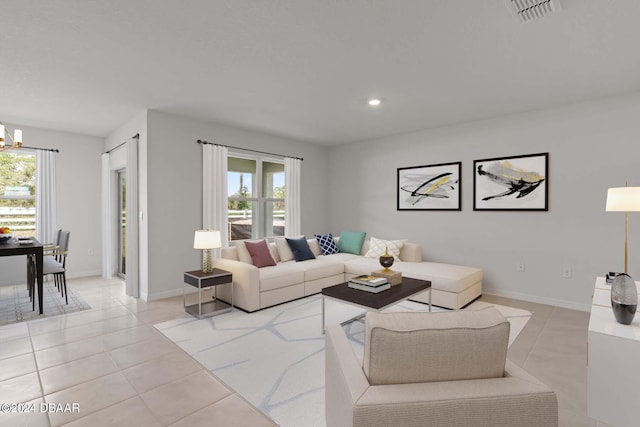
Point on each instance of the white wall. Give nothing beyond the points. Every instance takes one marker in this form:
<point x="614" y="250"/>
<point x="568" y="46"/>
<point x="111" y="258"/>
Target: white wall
<point x="175" y="190"/>
<point x="78" y="186"/>
<point x="592" y="146"/>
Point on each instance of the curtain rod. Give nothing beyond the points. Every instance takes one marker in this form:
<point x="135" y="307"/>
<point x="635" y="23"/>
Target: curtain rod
<point x="137" y="135"/>
<point x="247" y="149"/>
<point x="55" y="150"/>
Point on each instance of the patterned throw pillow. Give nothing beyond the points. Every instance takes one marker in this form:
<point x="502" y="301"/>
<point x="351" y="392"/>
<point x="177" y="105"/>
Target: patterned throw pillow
<point x="377" y="248"/>
<point x="327" y="244"/>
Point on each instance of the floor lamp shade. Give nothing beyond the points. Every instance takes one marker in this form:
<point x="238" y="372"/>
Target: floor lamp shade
<point x="624" y="199"/>
<point x="207" y="240"/>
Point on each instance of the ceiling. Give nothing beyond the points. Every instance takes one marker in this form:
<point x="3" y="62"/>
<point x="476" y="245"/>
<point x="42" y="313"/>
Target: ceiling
<point x="304" y="69"/>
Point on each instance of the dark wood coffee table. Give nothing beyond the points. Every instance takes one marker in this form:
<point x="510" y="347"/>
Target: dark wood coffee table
<point x="371" y="301"/>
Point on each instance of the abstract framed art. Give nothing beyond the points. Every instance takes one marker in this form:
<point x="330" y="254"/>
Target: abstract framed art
<point x="430" y="187"/>
<point x="516" y="183"/>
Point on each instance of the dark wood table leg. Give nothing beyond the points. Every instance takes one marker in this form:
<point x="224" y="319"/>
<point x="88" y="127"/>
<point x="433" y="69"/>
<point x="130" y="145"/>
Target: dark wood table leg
<point x="39" y="262"/>
<point x="31" y="280"/>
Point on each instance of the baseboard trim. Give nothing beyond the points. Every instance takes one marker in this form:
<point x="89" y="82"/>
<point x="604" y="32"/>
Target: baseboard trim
<point x="537" y="299"/>
<point x="76" y="275"/>
<point x="82" y="274"/>
<point x="167" y="294"/>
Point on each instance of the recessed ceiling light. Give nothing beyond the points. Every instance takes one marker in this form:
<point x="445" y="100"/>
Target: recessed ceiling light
<point x="374" y="102"/>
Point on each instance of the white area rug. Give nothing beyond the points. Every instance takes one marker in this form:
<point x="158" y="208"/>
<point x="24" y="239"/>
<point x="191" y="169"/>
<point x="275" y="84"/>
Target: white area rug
<point x="274" y="358"/>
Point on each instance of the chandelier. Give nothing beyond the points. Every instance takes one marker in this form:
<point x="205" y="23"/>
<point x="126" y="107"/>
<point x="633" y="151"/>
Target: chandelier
<point x="16" y="140"/>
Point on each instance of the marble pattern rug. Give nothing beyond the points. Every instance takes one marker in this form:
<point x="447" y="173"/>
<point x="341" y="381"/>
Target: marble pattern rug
<point x="274" y="358"/>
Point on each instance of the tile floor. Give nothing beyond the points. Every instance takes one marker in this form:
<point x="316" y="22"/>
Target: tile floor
<point x="121" y="371"/>
<point x="114" y="365"/>
<point x="553" y="348"/>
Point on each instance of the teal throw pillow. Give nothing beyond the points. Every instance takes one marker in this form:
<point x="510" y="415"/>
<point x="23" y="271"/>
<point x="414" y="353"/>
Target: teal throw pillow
<point x="300" y="248"/>
<point x="351" y="241"/>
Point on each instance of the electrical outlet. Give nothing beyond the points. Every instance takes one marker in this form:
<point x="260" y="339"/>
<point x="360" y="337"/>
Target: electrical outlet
<point x="566" y="272"/>
<point x="521" y="267"/>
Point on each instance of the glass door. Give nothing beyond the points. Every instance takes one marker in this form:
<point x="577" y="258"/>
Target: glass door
<point x="122" y="223"/>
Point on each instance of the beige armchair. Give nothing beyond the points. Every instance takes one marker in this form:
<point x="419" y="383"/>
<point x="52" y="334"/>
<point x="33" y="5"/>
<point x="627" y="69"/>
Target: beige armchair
<point x="432" y="369"/>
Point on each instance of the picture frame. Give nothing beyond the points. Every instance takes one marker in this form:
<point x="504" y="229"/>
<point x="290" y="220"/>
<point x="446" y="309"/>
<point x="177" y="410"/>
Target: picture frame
<point x="430" y="187"/>
<point x="514" y="183"/>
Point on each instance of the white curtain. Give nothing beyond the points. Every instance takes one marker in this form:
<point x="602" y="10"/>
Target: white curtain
<point x="46" y="206"/>
<point x="214" y="187"/>
<point x="131" y="262"/>
<point x="107" y="262"/>
<point x="292" y="196"/>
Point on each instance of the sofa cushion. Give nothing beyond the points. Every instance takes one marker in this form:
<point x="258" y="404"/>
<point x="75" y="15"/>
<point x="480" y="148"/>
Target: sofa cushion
<point x="327" y="244"/>
<point x="351" y="241"/>
<point x="342" y="257"/>
<point x="378" y="247"/>
<point x="319" y="268"/>
<point x="284" y="251"/>
<point x="444" y="277"/>
<point x="243" y="253"/>
<point x="260" y="254"/>
<point x="300" y="248"/>
<point x="411" y="252"/>
<point x="315" y="247"/>
<point x="280" y="276"/>
<point x="403" y="348"/>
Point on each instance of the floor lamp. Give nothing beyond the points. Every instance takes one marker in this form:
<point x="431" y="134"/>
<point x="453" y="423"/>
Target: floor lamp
<point x="207" y="240"/>
<point x="624" y="199"/>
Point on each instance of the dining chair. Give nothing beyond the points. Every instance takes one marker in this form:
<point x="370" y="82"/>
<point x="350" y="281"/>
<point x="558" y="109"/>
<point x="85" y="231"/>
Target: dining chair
<point x="56" y="264"/>
<point x="50" y="250"/>
<point x="31" y="279"/>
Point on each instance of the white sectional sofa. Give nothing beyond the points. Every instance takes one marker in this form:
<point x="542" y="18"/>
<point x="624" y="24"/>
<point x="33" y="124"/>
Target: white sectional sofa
<point x="453" y="286"/>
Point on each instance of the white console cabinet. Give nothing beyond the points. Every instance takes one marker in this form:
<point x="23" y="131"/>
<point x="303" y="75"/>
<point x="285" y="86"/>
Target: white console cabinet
<point x="613" y="363"/>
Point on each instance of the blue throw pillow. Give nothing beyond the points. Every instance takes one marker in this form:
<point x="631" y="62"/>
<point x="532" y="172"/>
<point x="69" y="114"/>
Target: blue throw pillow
<point x="300" y="248"/>
<point x="327" y="244"/>
<point x="351" y="241"/>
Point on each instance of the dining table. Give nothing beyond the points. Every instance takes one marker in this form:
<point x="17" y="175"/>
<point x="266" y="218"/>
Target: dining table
<point x="32" y="247"/>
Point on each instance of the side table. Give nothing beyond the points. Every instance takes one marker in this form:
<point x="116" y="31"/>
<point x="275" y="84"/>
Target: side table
<point x="200" y="280"/>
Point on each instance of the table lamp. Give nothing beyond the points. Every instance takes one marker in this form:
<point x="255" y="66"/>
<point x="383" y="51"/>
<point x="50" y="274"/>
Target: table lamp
<point x="624" y="199"/>
<point x="207" y="240"/>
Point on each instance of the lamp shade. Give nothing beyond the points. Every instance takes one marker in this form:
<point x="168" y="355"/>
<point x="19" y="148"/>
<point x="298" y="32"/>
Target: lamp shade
<point x="623" y="199"/>
<point x="207" y="239"/>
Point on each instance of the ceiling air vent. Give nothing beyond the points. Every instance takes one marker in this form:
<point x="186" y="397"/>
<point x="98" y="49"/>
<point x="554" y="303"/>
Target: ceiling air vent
<point x="528" y="10"/>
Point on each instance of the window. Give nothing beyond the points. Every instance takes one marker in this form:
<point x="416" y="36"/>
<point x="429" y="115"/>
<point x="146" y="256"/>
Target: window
<point x="18" y="192"/>
<point x="256" y="197"/>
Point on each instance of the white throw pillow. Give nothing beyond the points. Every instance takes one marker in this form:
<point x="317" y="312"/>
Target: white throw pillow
<point x="243" y="253"/>
<point x="284" y="251"/>
<point x="377" y="248"/>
